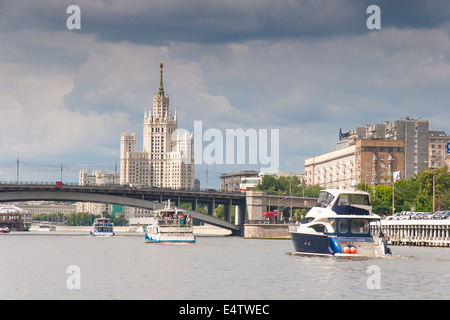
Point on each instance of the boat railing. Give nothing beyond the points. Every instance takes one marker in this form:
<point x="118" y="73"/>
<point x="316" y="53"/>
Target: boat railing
<point x="168" y="222"/>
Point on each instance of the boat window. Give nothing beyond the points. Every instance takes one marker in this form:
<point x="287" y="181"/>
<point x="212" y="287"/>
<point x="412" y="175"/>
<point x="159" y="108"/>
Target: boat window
<point x="318" y="227"/>
<point x="348" y="199"/>
<point x="360" y="226"/>
<point x="343" y="226"/>
<point x="325" y="199"/>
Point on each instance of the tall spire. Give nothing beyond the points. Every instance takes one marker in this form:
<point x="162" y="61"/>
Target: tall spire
<point x="161" y="87"/>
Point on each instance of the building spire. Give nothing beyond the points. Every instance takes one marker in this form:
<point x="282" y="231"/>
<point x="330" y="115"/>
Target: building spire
<point x="161" y="87"/>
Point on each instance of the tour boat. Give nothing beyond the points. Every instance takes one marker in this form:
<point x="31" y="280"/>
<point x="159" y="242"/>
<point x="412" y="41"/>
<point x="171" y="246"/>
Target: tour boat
<point x="341" y="224"/>
<point x="102" y="227"/>
<point x="46" y="226"/>
<point x="170" y="225"/>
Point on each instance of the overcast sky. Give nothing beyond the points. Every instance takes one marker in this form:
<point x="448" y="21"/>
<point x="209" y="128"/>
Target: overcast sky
<point x="305" y="67"/>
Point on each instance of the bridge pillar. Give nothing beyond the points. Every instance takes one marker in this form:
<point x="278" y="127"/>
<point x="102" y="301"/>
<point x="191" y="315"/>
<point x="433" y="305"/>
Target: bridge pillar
<point x="239" y="218"/>
<point x="212" y="207"/>
<point x="256" y="204"/>
<point x="227" y="210"/>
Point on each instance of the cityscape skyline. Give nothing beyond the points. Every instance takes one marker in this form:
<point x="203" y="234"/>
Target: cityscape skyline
<point x="307" y="69"/>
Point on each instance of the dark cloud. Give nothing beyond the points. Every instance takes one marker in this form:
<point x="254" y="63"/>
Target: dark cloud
<point x="213" y="21"/>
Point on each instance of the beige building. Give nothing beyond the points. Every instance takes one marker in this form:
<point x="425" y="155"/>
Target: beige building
<point x="413" y="132"/>
<point x="97" y="178"/>
<point x="367" y="161"/>
<point x="167" y="160"/>
<point x="437" y="149"/>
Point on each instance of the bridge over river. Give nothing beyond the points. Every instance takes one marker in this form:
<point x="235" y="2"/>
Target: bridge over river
<point x="249" y="206"/>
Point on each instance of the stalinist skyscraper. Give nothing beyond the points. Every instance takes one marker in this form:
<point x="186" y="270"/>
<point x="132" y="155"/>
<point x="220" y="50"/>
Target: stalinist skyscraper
<point x="167" y="160"/>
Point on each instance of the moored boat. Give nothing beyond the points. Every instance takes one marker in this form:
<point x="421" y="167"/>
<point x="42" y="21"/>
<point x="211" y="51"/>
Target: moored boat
<point x="102" y="227"/>
<point x="4" y="230"/>
<point x="46" y="226"/>
<point x="170" y="225"/>
<point x="341" y="224"/>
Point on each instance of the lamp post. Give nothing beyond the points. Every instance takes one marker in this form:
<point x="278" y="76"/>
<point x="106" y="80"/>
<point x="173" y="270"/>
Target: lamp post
<point x="62" y="165"/>
<point x="433" y="168"/>
<point x="434" y="188"/>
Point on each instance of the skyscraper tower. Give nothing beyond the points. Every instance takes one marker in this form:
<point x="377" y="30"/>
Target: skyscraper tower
<point x="167" y="159"/>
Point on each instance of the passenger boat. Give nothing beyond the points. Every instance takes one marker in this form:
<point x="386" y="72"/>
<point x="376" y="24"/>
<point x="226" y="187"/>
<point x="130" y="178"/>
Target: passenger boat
<point x="341" y="224"/>
<point x="102" y="227"/>
<point x="46" y="226"/>
<point x="170" y="225"/>
<point x="4" y="230"/>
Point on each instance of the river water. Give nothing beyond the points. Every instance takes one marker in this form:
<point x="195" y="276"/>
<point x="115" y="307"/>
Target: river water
<point x="74" y="265"/>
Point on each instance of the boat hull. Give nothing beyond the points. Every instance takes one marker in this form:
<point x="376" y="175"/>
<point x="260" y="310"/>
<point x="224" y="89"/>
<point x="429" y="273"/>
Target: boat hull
<point x="46" y="229"/>
<point x="319" y="244"/>
<point x="170" y="233"/>
<point x="311" y="243"/>
<point x="156" y="239"/>
<point x="102" y="234"/>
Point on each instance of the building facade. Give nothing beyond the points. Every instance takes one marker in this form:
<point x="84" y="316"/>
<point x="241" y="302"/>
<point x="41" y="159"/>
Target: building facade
<point x="167" y="159"/>
<point x="371" y="161"/>
<point x="437" y="149"/>
<point x="97" y="178"/>
<point x="413" y="132"/>
<point x="232" y="181"/>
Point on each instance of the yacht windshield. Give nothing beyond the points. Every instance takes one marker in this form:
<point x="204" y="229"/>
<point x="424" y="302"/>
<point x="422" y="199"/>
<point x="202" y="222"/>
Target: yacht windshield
<point x="351" y="204"/>
<point x="349" y="199"/>
<point x="325" y="199"/>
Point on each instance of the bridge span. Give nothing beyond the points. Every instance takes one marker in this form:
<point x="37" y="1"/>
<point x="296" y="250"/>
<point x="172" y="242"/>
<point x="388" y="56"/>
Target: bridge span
<point x="249" y="206"/>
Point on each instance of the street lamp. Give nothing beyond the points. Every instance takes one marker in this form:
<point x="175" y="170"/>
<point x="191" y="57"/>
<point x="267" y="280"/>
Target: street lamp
<point x="62" y="165"/>
<point x="434" y="181"/>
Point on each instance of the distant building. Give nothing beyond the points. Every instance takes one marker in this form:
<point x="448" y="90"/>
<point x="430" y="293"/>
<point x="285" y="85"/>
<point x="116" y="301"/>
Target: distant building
<point x="14" y="218"/>
<point x="413" y="132"/>
<point x="437" y="148"/>
<point x="98" y="178"/>
<point x="366" y="161"/>
<point x="232" y="181"/>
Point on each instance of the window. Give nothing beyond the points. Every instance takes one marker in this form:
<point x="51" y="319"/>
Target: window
<point x="343" y="226"/>
<point x="325" y="199"/>
<point x="360" y="226"/>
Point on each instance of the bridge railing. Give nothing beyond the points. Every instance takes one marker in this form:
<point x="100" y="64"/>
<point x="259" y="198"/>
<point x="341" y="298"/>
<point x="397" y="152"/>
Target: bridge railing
<point x="106" y="185"/>
<point x="45" y="183"/>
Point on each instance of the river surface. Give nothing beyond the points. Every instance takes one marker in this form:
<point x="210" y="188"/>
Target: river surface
<point x="74" y="265"/>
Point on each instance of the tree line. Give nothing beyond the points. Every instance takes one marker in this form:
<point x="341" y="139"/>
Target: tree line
<point x="78" y="218"/>
<point x="413" y="194"/>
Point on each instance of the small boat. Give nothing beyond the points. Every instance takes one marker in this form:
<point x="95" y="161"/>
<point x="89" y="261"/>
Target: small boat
<point x="341" y="224"/>
<point x="4" y="229"/>
<point x="102" y="227"/>
<point x="46" y="226"/>
<point x="170" y="225"/>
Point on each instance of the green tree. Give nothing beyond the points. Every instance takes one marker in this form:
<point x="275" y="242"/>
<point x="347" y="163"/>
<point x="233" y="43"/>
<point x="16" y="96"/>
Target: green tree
<point x="405" y="194"/>
<point x="424" y="199"/>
